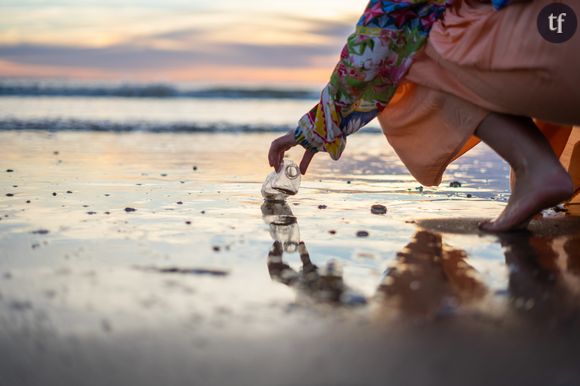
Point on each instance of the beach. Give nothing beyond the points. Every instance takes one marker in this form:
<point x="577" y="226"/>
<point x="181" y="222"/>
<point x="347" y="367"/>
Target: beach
<point x="151" y="258"/>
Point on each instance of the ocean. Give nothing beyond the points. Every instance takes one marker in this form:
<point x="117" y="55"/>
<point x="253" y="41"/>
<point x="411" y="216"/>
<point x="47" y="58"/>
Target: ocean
<point x="73" y="106"/>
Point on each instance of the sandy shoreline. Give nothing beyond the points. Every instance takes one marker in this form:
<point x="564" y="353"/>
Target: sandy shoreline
<point x="192" y="287"/>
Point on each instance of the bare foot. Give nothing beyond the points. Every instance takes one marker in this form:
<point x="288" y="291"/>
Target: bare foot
<point x="535" y="189"/>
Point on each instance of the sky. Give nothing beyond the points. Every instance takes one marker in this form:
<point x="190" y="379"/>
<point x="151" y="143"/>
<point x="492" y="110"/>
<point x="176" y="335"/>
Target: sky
<point x="263" y="42"/>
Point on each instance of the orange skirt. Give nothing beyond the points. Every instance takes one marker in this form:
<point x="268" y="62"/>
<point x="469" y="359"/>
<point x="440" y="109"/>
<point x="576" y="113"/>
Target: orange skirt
<point x="478" y="61"/>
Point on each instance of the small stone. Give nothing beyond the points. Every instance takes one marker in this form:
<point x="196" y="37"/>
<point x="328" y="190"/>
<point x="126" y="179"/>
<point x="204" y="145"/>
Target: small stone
<point x="163" y="174"/>
<point x="53" y="194"/>
<point x="322" y="207"/>
<point x="9" y="170"/>
<point x="179" y="202"/>
<point x="28" y="201"/>
<point x="91" y="213"/>
<point x="56" y="152"/>
<point x="378" y="209"/>
<point x="40" y="232"/>
<point x="455" y="184"/>
<point x="107" y="212"/>
<point x="68" y="192"/>
<point x="348" y="182"/>
<point x="188" y="222"/>
<point x="216" y="248"/>
<point x="362" y="234"/>
<point x="332" y="232"/>
<point x="469" y="195"/>
<point x="195" y="168"/>
<point x="130" y="209"/>
<point x="203" y="212"/>
<point x="9" y="194"/>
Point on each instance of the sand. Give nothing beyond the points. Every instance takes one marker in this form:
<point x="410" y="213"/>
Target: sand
<point x="151" y="259"/>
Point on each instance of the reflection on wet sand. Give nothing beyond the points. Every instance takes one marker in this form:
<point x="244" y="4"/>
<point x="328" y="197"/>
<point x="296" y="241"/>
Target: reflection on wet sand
<point x="322" y="285"/>
<point x="430" y="279"/>
<point x="543" y="282"/>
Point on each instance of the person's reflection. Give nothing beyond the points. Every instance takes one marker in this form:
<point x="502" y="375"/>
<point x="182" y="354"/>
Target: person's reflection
<point x="429" y="279"/>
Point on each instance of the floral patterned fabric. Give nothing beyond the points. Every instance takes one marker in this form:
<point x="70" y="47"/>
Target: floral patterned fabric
<point x="373" y="62"/>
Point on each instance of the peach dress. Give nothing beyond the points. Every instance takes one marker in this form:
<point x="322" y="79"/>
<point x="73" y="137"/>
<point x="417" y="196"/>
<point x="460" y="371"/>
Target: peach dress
<point x="478" y="60"/>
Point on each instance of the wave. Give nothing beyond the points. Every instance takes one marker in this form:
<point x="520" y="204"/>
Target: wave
<point x="56" y="125"/>
<point x="160" y="90"/>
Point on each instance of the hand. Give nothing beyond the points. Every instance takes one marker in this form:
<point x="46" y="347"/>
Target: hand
<point x="280" y="145"/>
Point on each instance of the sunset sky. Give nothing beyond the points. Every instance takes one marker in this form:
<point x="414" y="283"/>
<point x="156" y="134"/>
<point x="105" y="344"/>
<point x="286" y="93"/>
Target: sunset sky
<point x="209" y="41"/>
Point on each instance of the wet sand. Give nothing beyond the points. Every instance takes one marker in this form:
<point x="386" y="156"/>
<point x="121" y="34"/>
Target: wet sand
<point x="152" y="259"/>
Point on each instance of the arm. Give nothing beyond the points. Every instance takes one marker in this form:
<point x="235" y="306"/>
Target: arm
<point x="373" y="62"/>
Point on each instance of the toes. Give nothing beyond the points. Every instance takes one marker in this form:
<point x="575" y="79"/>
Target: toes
<point x="487" y="226"/>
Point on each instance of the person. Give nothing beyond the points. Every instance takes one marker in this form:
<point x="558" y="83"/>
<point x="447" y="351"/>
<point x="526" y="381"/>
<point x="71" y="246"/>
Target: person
<point x="478" y="73"/>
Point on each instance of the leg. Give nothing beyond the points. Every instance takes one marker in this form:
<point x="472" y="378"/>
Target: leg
<point x="540" y="179"/>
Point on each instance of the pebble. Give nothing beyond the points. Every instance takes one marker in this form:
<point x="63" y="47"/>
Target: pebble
<point x="179" y="202"/>
<point x="455" y="184"/>
<point x="378" y="209"/>
<point x="130" y="209"/>
<point x="40" y="232"/>
<point x="322" y="207"/>
<point x="188" y="222"/>
<point x="9" y="170"/>
<point x="332" y="232"/>
<point x="195" y="168"/>
<point x="469" y="195"/>
<point x="362" y="234"/>
<point x="53" y="194"/>
<point x="68" y="192"/>
<point x="91" y="213"/>
<point x="203" y="212"/>
<point x="9" y="194"/>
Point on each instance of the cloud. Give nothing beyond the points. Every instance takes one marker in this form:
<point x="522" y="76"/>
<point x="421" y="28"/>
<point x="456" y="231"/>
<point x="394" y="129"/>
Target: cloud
<point x="126" y="57"/>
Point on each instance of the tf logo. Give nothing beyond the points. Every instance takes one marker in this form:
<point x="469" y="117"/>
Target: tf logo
<point x="557" y="23"/>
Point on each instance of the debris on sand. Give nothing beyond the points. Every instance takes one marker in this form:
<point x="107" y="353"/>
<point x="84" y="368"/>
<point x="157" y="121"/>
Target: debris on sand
<point x="362" y="234"/>
<point x="40" y="232"/>
<point x="455" y="184"/>
<point x="378" y="209"/>
<point x="322" y="206"/>
<point x="9" y="170"/>
<point x="186" y="271"/>
<point x="128" y="209"/>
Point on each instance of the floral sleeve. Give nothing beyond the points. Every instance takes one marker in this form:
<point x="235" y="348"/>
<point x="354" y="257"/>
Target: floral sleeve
<point x="373" y="62"/>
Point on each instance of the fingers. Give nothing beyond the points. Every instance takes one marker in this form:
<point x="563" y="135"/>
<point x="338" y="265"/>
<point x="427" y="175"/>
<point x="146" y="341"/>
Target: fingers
<point x="308" y="155"/>
<point x="277" y="149"/>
